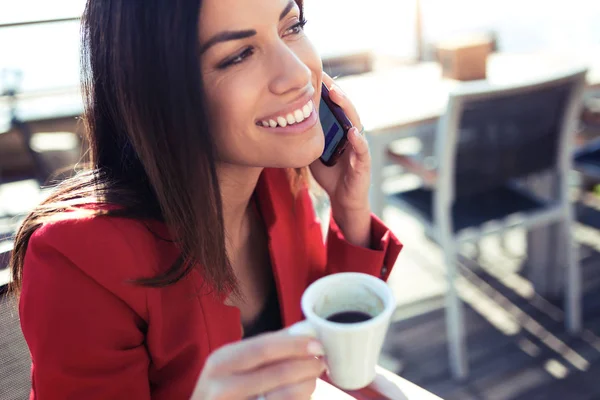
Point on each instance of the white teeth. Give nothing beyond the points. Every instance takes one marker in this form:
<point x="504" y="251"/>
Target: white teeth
<point x="295" y="117"/>
<point x="306" y="111"/>
<point x="290" y="119"/>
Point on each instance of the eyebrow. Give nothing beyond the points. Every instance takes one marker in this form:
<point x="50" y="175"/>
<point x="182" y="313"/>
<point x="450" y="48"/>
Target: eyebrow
<point x="287" y="9"/>
<point x="237" y="35"/>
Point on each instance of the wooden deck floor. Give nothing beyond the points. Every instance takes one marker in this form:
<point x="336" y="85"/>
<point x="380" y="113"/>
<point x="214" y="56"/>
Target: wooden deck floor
<point x="533" y="358"/>
<point x="518" y="347"/>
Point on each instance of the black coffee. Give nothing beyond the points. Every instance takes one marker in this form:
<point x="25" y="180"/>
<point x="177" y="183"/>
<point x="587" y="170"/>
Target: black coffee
<point x="349" y="317"/>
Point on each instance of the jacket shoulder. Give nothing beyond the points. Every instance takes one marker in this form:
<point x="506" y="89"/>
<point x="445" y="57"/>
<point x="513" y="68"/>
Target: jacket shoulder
<point x="114" y="252"/>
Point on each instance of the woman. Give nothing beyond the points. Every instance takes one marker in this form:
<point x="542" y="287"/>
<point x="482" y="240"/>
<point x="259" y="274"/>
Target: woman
<point x="195" y="228"/>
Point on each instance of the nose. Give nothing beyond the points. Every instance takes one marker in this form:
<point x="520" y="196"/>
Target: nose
<point x="288" y="72"/>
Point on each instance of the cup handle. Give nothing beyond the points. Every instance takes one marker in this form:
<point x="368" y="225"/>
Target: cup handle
<point x="302" y="328"/>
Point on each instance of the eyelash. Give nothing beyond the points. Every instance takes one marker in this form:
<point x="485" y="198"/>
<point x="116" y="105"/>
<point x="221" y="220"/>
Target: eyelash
<point x="298" y="25"/>
<point x="297" y="28"/>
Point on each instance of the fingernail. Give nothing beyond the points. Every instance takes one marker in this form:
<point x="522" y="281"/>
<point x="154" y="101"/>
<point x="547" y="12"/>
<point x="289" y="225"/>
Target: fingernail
<point x="337" y="89"/>
<point x="315" y="349"/>
<point x="356" y="132"/>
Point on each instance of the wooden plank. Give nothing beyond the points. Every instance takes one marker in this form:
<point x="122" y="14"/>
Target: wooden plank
<point x="501" y="367"/>
<point x="580" y="386"/>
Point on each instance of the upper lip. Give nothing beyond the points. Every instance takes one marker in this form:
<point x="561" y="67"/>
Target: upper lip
<point x="293" y="106"/>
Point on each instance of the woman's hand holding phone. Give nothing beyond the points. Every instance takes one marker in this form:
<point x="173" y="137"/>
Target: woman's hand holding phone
<point x="276" y="365"/>
<point x="347" y="182"/>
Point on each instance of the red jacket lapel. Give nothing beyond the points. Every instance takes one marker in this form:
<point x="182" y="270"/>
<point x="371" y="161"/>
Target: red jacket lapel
<point x="276" y="203"/>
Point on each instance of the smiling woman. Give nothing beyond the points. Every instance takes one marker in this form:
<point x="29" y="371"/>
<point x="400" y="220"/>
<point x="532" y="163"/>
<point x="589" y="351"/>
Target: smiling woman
<point x="192" y="229"/>
<point x="268" y="73"/>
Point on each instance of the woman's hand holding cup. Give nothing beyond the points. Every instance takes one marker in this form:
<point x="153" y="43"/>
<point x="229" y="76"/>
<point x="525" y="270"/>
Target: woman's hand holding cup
<point x="350" y="314"/>
<point x="273" y="365"/>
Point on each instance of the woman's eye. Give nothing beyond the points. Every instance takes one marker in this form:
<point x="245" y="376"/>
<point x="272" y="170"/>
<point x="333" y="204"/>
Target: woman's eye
<point x="296" y="29"/>
<point x="237" y="59"/>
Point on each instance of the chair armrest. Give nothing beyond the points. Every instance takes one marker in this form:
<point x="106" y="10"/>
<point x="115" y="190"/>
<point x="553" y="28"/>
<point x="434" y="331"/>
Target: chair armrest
<point x="414" y="165"/>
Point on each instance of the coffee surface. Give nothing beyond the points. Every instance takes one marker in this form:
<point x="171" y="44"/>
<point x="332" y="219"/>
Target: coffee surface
<point x="349" y="317"/>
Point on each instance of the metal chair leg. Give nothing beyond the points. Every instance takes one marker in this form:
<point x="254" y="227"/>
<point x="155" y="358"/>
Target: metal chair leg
<point x="572" y="291"/>
<point x="455" y="326"/>
<point x="477" y="250"/>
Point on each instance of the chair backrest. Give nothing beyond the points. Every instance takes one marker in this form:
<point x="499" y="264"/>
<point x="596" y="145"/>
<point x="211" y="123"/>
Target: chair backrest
<point x="492" y="135"/>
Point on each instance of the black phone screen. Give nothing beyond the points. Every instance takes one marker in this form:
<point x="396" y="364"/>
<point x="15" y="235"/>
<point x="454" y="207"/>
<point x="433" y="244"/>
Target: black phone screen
<point x="331" y="128"/>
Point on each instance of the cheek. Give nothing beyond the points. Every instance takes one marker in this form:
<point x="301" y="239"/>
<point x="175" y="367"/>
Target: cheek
<point x="229" y="101"/>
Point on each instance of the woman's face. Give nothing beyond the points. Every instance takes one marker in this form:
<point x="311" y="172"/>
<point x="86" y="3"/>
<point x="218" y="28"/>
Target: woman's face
<point x="262" y="79"/>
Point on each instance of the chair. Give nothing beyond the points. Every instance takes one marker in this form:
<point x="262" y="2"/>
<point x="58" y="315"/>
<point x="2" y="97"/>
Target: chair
<point x="587" y="160"/>
<point x="488" y="139"/>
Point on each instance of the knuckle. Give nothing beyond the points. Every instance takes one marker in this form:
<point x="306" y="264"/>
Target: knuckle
<point x="300" y="344"/>
<point x="214" y="393"/>
<point x="221" y="391"/>
<point x="212" y="362"/>
<point x="284" y="372"/>
<point x="263" y="351"/>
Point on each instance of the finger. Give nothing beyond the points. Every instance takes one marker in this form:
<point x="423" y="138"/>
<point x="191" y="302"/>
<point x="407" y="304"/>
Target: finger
<point x="359" y="142"/>
<point x="302" y="390"/>
<point x="279" y="375"/>
<point x="360" y="158"/>
<point x="328" y="80"/>
<point x="339" y="97"/>
<point x="262" y="350"/>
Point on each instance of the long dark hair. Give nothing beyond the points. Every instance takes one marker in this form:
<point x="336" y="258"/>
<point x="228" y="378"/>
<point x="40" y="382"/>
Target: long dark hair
<point x="150" y="146"/>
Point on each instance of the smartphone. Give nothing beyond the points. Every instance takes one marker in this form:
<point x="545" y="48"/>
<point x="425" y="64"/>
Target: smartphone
<point x="335" y="127"/>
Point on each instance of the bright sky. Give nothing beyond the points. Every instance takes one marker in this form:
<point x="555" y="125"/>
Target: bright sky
<point x="48" y="54"/>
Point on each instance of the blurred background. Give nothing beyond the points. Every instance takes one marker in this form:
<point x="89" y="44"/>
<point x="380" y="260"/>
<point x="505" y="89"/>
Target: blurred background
<point x="498" y="286"/>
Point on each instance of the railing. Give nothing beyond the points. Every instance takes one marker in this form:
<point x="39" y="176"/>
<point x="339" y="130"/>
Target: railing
<point x="38" y="22"/>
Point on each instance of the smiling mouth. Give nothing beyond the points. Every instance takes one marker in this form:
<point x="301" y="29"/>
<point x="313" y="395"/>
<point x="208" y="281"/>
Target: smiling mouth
<point x="291" y="118"/>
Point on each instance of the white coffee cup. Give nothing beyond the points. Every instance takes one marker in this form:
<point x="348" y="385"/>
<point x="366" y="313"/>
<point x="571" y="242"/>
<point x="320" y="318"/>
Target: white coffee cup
<point x="351" y="349"/>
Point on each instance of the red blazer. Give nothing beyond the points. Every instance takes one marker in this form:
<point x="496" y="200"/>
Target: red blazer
<point x="94" y="335"/>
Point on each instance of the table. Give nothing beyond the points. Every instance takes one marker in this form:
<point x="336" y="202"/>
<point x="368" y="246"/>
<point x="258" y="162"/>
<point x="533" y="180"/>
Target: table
<point x="387" y="385"/>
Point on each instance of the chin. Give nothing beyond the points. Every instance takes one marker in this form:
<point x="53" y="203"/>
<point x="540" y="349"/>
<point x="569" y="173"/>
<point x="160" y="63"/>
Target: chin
<point x="309" y="154"/>
<point x="299" y="157"/>
<point x="300" y="160"/>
